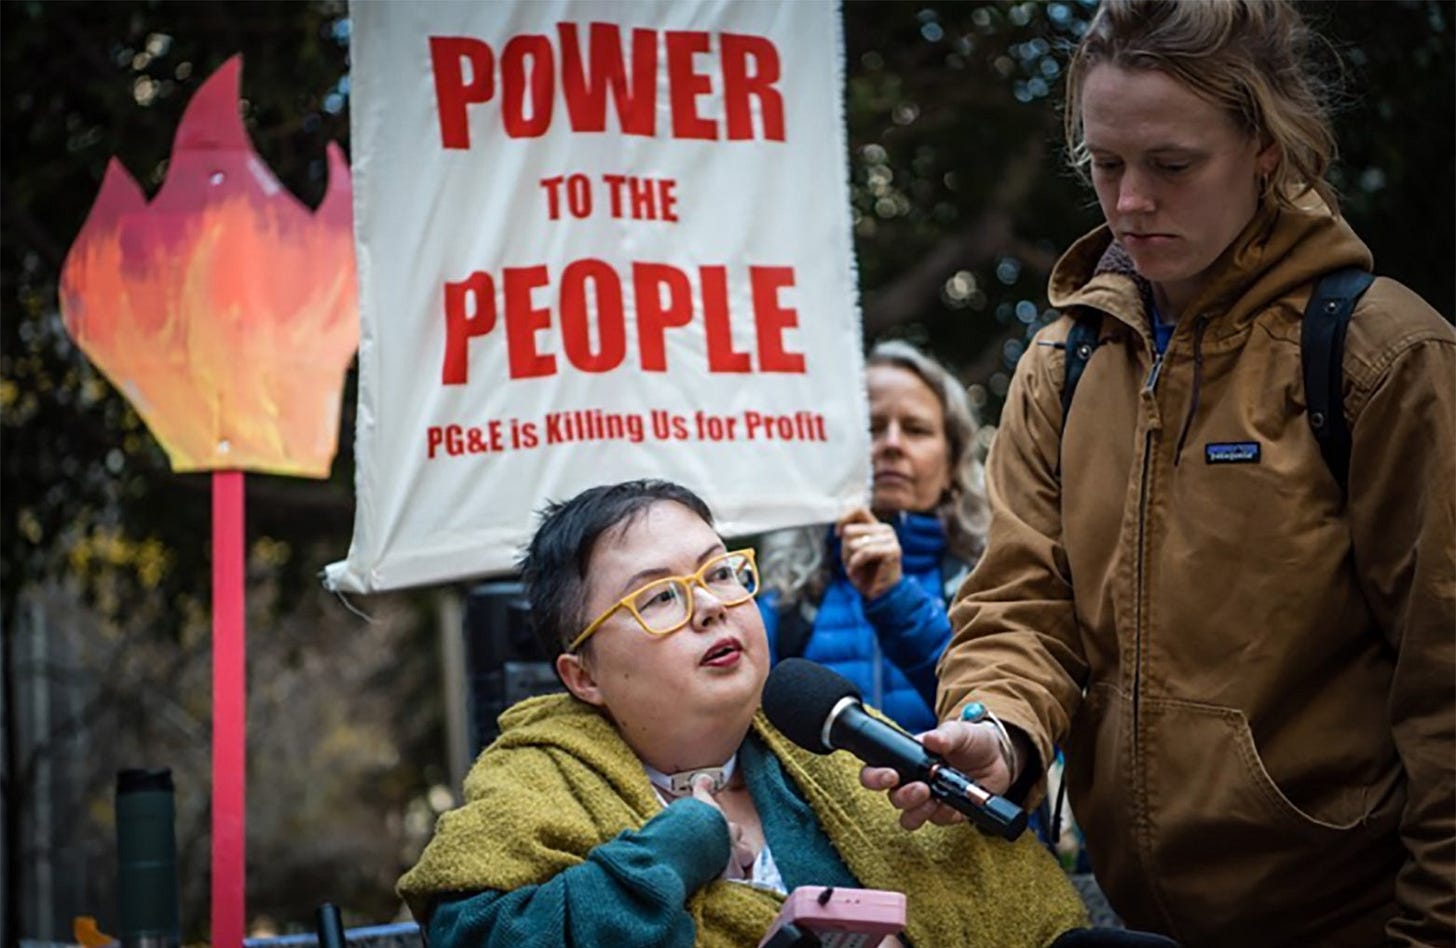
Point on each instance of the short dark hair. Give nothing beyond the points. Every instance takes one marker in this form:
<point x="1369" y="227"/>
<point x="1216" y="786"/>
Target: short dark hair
<point x="553" y="568"/>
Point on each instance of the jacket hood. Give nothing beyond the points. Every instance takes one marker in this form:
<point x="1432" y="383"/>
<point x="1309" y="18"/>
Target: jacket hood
<point x="1278" y="250"/>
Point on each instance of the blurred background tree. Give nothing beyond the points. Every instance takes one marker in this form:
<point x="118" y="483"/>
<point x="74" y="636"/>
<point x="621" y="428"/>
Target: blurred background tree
<point x="961" y="204"/>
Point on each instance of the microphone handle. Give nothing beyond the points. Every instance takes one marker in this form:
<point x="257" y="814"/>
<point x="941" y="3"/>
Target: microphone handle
<point x="992" y="814"/>
<point x="881" y="745"/>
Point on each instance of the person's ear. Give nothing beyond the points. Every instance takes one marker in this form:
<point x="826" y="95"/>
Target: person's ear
<point x="578" y="678"/>
<point x="1268" y="159"/>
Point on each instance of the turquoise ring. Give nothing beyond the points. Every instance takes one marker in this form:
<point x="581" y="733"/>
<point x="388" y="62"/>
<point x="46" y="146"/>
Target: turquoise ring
<point x="974" y="711"/>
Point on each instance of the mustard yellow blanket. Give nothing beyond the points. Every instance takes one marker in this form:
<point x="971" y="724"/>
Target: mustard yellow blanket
<point x="561" y="781"/>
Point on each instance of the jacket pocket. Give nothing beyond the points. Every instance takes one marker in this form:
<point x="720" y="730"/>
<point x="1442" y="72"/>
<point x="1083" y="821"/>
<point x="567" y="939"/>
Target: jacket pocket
<point x="1225" y="843"/>
<point x="1202" y="758"/>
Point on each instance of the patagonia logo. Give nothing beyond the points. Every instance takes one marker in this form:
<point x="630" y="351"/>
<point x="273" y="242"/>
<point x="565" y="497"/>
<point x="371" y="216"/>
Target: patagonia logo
<point x="1232" y="452"/>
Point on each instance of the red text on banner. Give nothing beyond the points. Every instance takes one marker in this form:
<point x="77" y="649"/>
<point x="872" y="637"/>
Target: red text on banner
<point x="593" y="319"/>
<point x="524" y="77"/>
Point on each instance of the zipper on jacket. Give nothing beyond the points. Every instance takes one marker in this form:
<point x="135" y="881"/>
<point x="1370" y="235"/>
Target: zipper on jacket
<point x="1138" y="612"/>
<point x="1153" y="373"/>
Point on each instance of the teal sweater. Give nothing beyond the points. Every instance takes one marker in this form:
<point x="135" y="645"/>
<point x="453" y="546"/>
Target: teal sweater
<point x="631" y="890"/>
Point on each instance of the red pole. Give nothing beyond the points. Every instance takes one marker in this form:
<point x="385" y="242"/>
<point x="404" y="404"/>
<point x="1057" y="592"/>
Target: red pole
<point x="229" y="711"/>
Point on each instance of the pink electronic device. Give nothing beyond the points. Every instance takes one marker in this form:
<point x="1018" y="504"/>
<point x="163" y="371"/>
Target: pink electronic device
<point x="840" y="917"/>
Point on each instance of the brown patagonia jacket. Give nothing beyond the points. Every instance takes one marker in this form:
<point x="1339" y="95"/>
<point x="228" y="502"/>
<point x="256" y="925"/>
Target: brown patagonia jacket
<point x="1254" y="681"/>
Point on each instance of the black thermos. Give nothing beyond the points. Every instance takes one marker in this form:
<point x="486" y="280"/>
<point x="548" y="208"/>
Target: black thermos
<point x="146" y="850"/>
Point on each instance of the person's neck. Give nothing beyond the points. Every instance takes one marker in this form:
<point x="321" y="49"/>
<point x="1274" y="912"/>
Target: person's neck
<point x="1170" y="299"/>
<point x="681" y="746"/>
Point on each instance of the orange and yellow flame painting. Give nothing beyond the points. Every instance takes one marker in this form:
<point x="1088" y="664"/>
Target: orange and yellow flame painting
<point x="225" y="310"/>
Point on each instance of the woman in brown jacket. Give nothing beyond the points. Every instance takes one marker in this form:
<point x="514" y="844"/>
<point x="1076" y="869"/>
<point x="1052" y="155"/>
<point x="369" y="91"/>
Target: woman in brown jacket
<point x="1251" y="666"/>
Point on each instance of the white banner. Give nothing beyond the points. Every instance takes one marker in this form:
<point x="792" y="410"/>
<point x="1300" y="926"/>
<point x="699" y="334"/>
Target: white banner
<point x="597" y="241"/>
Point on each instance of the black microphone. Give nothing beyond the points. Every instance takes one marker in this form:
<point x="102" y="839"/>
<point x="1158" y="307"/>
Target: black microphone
<point x="820" y="710"/>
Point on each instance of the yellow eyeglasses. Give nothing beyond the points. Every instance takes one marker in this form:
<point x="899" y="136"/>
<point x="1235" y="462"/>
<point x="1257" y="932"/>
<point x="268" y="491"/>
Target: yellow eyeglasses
<point x="665" y="605"/>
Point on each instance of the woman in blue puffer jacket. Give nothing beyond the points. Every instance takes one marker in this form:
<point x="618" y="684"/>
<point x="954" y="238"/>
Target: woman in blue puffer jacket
<point x="867" y="596"/>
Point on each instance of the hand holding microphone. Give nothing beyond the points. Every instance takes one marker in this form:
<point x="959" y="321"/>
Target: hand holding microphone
<point x="820" y="711"/>
<point x="972" y="749"/>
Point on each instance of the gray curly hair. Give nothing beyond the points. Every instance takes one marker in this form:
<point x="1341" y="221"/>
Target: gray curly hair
<point x="793" y="561"/>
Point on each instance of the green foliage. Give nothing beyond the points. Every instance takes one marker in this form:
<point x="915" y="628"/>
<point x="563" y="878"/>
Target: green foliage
<point x="961" y="200"/>
<point x="1397" y="137"/>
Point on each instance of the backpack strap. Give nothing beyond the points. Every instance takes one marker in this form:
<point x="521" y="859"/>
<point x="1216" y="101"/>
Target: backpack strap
<point x="1082" y="341"/>
<point x="1322" y="349"/>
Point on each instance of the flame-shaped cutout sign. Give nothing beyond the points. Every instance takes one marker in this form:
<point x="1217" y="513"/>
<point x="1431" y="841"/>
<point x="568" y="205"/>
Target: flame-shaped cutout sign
<point x="225" y="310"/>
